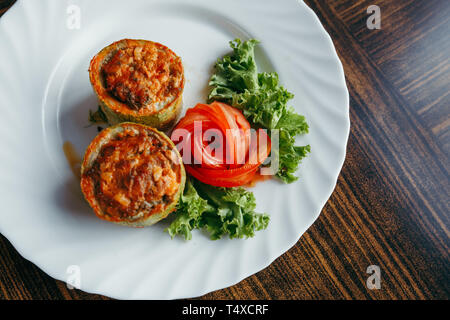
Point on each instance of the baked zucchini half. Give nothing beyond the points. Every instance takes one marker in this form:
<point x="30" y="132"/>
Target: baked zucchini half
<point x="138" y="81"/>
<point x="132" y="175"/>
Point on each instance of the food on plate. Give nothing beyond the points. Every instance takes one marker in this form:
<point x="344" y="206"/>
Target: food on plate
<point x="263" y="101"/>
<point x="238" y="150"/>
<point x="135" y="175"/>
<point x="218" y="211"/>
<point x="132" y="175"/>
<point x="138" y="81"/>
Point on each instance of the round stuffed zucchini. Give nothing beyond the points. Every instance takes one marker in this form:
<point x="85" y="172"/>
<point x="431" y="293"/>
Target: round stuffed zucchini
<point x="138" y="81"/>
<point x="132" y="175"/>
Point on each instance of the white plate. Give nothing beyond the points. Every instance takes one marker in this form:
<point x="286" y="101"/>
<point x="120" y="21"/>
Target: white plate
<point x="45" y="97"/>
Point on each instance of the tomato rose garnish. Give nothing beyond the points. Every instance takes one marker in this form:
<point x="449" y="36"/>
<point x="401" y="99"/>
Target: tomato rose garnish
<point x="218" y="145"/>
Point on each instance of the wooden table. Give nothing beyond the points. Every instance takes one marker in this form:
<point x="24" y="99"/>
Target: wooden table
<point x="390" y="207"/>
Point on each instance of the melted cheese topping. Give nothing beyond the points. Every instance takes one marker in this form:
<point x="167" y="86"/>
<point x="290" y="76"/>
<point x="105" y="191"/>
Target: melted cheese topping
<point x="144" y="76"/>
<point x="134" y="175"/>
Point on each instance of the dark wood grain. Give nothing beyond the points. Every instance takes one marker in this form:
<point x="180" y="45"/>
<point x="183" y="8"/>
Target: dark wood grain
<point x="390" y="207"/>
<point x="5" y="5"/>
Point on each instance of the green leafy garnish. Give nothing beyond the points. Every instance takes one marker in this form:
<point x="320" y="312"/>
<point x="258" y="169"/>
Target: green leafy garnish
<point x="262" y="100"/>
<point x="190" y="208"/>
<point x="97" y="116"/>
<point x="219" y="211"/>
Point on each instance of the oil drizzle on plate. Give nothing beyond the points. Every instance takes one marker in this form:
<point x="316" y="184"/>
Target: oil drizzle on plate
<point x="73" y="158"/>
<point x="258" y="177"/>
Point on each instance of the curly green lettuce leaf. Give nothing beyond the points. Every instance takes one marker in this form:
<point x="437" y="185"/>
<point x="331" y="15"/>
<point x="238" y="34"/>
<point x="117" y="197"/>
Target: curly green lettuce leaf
<point x="219" y="211"/>
<point x="263" y="102"/>
<point x="294" y="123"/>
<point x="290" y="156"/>
<point x="235" y="212"/>
<point x="190" y="208"/>
<point x="236" y="72"/>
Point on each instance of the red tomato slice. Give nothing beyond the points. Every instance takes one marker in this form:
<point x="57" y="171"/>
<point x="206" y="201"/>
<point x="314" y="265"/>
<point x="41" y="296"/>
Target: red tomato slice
<point x="236" y="152"/>
<point x="232" y="179"/>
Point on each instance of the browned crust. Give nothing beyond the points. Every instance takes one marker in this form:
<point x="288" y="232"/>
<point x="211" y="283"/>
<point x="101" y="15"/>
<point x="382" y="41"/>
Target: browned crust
<point x="117" y="111"/>
<point x="87" y="185"/>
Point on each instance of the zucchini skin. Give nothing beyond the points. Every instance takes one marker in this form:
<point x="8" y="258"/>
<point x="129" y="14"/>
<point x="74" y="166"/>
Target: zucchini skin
<point x="114" y="110"/>
<point x="87" y="186"/>
<point x="162" y="120"/>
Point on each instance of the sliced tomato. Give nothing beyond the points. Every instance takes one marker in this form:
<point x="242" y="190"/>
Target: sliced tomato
<point x="237" y="153"/>
<point x="227" y="178"/>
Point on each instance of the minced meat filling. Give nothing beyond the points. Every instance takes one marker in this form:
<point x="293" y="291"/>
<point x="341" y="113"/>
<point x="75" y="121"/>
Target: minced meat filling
<point x="134" y="173"/>
<point x="143" y="76"/>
